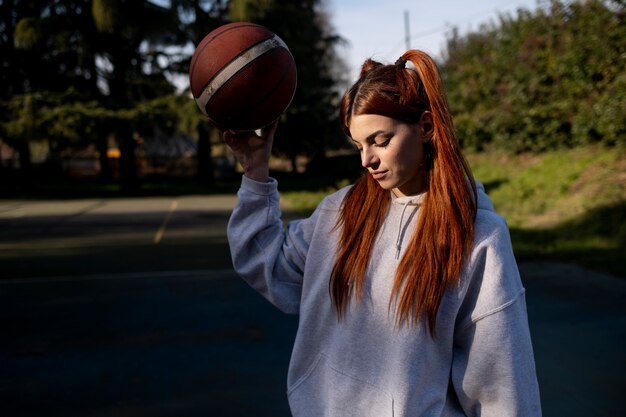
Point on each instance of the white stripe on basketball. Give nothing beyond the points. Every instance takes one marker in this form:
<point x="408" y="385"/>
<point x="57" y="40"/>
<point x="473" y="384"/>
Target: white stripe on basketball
<point x="234" y="67"/>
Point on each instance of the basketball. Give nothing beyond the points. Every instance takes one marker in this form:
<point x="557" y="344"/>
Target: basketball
<point x="242" y="76"/>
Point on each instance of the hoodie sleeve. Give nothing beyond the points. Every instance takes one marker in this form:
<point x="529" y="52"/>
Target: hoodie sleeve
<point x="493" y="369"/>
<point x="267" y="256"/>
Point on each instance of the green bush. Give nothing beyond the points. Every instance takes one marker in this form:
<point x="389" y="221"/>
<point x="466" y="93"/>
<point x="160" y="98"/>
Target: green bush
<point x="550" y="79"/>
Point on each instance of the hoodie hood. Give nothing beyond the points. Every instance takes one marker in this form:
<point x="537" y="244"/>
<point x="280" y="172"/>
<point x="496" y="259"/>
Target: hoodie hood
<point x="484" y="203"/>
<point x="410" y="200"/>
<point x="410" y="205"/>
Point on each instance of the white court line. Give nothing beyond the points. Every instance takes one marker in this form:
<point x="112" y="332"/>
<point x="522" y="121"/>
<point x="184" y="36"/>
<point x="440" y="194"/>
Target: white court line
<point x="159" y="234"/>
<point x="11" y="207"/>
<point x="203" y="274"/>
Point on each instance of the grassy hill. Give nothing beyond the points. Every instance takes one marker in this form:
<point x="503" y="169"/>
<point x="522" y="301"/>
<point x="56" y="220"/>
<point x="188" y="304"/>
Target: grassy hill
<point x="567" y="205"/>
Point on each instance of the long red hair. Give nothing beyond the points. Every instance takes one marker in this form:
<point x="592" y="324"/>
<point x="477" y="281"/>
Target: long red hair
<point x="445" y="227"/>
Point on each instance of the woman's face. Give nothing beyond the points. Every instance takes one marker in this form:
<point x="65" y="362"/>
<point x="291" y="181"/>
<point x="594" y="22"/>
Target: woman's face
<point x="393" y="151"/>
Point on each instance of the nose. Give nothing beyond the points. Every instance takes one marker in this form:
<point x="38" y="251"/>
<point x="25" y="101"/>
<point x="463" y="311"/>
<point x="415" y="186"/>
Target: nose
<point x="368" y="158"/>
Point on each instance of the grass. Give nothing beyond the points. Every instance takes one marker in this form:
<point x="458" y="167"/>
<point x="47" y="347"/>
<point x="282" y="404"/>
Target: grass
<point x="542" y="190"/>
<point x="305" y="201"/>
<point x="566" y="205"/>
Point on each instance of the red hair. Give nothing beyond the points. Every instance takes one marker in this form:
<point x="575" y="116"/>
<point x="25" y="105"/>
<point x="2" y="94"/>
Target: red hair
<point x="445" y="227"/>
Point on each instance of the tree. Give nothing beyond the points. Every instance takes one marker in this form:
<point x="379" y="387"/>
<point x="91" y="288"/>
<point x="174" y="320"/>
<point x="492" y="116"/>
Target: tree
<point x="198" y="19"/>
<point x="540" y="80"/>
<point x="42" y="49"/>
<point x="132" y="38"/>
<point x="82" y="70"/>
<point x="112" y="51"/>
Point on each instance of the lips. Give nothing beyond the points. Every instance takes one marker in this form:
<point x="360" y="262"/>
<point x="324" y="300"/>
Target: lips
<point x="377" y="175"/>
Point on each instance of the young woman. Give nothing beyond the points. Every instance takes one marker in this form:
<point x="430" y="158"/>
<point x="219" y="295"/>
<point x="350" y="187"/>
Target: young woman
<point x="408" y="292"/>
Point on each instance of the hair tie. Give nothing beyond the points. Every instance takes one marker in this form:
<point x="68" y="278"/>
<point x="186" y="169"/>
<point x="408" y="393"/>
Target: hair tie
<point x="401" y="62"/>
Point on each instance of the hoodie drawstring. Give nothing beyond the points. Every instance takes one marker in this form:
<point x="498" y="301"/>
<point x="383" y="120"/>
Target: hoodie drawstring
<point x="399" y="239"/>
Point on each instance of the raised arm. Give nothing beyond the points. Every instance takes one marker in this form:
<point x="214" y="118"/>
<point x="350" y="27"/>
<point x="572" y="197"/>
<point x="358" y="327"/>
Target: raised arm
<point x="268" y="256"/>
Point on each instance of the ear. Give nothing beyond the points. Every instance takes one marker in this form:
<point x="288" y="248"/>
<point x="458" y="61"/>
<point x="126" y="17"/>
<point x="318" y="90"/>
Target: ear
<point x="427" y="125"/>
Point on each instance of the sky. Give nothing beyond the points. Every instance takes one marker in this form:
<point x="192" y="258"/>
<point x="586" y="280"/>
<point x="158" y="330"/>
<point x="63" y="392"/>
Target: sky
<point x="377" y="29"/>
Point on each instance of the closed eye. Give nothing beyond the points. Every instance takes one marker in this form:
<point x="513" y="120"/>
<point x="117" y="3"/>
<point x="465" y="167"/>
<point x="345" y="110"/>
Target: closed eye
<point x="377" y="139"/>
<point x="382" y="140"/>
<point x="382" y="144"/>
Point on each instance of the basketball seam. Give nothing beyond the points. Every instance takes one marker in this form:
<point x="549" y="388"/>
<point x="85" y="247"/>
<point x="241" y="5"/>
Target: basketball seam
<point x="269" y="93"/>
<point x="265" y="97"/>
<point x="233" y="59"/>
<point x="209" y="90"/>
<point x="217" y="35"/>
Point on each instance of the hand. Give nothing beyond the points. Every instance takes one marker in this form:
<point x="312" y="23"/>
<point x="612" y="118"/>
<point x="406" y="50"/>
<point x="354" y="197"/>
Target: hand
<point x="252" y="150"/>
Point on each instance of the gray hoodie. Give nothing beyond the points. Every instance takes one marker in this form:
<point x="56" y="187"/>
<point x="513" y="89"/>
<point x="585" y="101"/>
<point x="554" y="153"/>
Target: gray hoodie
<point x="480" y="363"/>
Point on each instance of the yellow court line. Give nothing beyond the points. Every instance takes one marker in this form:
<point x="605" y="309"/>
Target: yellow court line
<point x="159" y="234"/>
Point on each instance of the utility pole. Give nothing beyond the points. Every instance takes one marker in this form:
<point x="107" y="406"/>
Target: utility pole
<point x="407" y="34"/>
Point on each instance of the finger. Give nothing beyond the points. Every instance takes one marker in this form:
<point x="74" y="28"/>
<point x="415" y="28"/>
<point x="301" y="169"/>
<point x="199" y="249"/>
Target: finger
<point x="229" y="138"/>
<point x="256" y="142"/>
<point x="235" y="136"/>
<point x="270" y="130"/>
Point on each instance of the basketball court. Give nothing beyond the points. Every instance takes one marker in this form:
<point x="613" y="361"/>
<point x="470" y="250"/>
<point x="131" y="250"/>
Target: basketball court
<point x="129" y="307"/>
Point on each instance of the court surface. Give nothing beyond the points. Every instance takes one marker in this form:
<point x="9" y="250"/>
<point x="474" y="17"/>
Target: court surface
<point x="129" y="307"/>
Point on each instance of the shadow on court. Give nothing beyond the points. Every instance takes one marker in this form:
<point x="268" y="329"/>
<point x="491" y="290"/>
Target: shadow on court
<point x="130" y="308"/>
<point x="142" y="345"/>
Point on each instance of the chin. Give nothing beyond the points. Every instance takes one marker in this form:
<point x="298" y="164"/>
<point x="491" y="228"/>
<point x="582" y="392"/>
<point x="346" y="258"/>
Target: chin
<point x="385" y="185"/>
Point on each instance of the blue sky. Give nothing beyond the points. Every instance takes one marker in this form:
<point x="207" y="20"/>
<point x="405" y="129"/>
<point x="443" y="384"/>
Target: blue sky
<point x="376" y="28"/>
